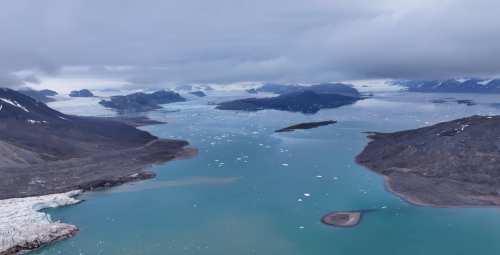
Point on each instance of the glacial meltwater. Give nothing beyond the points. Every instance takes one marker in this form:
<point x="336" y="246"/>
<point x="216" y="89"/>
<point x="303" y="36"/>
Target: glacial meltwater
<point x="253" y="191"/>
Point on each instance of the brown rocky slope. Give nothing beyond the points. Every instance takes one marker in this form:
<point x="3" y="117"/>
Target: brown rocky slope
<point x="453" y="163"/>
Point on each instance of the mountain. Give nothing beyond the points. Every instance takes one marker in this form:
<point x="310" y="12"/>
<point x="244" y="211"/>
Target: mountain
<point x="110" y="90"/>
<point x="48" y="92"/>
<point x="197" y="93"/>
<point x="43" y="151"/>
<point x="452" y="163"/>
<point x="36" y="95"/>
<point x="323" y="88"/>
<point x="194" y="88"/>
<point x="473" y="85"/>
<point x="141" y="102"/>
<point x="81" y="93"/>
<point x="305" y="102"/>
<point x="251" y="91"/>
<point x="155" y="89"/>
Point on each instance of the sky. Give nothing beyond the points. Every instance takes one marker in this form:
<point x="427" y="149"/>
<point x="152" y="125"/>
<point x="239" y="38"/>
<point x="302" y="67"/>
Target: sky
<point x="66" y="45"/>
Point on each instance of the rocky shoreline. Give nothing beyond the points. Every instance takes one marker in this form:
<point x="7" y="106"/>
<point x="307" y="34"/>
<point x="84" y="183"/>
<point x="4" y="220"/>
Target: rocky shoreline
<point x="450" y="164"/>
<point x="47" y="157"/>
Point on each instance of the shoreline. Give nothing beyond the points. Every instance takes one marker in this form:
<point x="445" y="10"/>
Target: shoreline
<point x="388" y="188"/>
<point x="26" y="233"/>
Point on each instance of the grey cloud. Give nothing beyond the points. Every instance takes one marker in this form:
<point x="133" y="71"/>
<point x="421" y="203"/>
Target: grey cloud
<point x="32" y="79"/>
<point x="226" y="41"/>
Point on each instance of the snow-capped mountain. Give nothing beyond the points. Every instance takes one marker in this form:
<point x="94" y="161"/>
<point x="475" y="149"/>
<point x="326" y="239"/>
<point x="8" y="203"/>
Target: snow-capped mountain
<point x="461" y="85"/>
<point x="188" y="88"/>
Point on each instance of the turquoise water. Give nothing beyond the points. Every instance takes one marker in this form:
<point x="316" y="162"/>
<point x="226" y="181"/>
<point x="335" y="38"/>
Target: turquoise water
<point x="250" y="204"/>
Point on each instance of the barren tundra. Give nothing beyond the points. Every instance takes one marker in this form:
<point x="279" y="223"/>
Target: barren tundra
<point x="449" y="164"/>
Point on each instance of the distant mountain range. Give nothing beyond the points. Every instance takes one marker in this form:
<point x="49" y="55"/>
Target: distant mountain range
<point x="38" y="95"/>
<point x="110" y="90"/>
<point x="323" y="88"/>
<point x="193" y="88"/>
<point x="473" y="85"/>
<point x="81" y="93"/>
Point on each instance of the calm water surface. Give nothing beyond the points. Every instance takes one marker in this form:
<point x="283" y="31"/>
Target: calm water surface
<point x="241" y="194"/>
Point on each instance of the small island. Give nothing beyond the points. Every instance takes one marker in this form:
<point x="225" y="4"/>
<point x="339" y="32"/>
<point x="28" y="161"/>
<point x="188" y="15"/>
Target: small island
<point x="306" y="126"/>
<point x="305" y="102"/>
<point x="142" y="102"/>
<point x="322" y="88"/>
<point x="342" y="219"/>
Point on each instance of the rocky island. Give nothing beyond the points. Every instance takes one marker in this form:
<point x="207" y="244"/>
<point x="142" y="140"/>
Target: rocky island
<point x="322" y="88"/>
<point x="308" y="125"/>
<point x="141" y="102"/>
<point x="305" y="102"/>
<point x="44" y="152"/>
<point x="450" y="164"/>
<point x="342" y="219"/>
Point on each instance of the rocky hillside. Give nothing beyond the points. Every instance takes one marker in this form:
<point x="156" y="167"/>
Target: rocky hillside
<point x="44" y="151"/>
<point x="453" y="163"/>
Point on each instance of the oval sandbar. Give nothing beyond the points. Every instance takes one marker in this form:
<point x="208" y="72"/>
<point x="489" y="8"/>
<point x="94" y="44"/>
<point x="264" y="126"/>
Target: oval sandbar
<point x="342" y="219"/>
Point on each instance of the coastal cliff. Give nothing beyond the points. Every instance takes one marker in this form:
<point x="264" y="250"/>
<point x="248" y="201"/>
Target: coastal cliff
<point x="450" y="164"/>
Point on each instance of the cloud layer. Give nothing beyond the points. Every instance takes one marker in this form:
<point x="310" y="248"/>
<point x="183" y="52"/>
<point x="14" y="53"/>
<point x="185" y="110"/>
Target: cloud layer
<point x="149" y="43"/>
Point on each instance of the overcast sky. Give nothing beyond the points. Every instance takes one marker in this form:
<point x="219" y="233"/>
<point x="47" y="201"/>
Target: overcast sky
<point x="137" y="44"/>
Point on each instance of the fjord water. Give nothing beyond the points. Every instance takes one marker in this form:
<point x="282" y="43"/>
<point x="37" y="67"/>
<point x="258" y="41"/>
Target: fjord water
<point x="241" y="194"/>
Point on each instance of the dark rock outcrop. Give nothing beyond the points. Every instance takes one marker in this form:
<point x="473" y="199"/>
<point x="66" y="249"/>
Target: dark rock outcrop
<point x="81" y="93"/>
<point x="141" y="102"/>
<point x="43" y="151"/>
<point x="305" y="102"/>
<point x="452" y="163"/>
